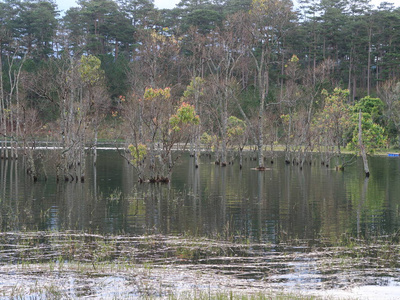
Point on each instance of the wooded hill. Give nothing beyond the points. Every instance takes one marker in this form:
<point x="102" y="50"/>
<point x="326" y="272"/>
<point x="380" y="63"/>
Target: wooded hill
<point x="221" y="74"/>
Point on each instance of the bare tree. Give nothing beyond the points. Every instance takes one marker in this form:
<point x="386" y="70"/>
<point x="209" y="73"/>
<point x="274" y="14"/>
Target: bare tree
<point x="193" y="94"/>
<point x="224" y="58"/>
<point x="332" y="125"/>
<point x="269" y="22"/>
<point x="75" y="88"/>
<point x="389" y="92"/>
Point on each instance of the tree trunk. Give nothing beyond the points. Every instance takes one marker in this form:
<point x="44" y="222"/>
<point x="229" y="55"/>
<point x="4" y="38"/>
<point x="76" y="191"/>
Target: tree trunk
<point x="369" y="62"/>
<point x="240" y="157"/>
<point x="362" y="147"/>
<point x="95" y="144"/>
<point x="2" y="106"/>
<point x="196" y="146"/>
<point x="224" y="116"/>
<point x="260" y="143"/>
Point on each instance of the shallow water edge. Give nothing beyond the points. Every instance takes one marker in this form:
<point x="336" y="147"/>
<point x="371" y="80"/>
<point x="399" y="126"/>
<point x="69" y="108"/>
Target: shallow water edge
<point x="75" y="264"/>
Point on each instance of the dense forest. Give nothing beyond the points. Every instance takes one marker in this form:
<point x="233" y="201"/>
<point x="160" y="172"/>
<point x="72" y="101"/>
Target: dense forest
<point x="216" y="75"/>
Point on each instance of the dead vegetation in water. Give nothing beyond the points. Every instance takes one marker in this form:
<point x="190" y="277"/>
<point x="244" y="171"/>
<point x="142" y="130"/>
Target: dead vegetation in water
<point x="157" y="266"/>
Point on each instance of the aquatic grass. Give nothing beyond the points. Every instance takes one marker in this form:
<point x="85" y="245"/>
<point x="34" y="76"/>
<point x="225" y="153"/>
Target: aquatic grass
<point x="229" y="295"/>
<point x="115" y="196"/>
<point x="45" y="291"/>
<point x="157" y="266"/>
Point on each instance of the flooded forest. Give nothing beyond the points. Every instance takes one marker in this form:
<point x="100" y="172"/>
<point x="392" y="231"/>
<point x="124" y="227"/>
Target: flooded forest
<point x="219" y="149"/>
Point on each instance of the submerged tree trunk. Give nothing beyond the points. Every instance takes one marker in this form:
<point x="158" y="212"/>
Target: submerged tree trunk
<point x="95" y="144"/>
<point x="260" y="143"/>
<point x="196" y="147"/>
<point x="362" y="147"/>
<point x="260" y="140"/>
<point x="224" y="121"/>
<point x="3" y="118"/>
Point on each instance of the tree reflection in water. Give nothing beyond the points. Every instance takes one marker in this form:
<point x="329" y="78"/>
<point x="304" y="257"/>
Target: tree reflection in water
<point x="282" y="203"/>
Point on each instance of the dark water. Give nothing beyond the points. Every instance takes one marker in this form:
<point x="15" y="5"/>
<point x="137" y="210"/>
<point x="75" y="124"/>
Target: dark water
<point x="283" y="203"/>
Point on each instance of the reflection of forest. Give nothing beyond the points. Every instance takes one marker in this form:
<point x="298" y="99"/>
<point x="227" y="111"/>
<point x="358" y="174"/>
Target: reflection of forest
<point x="280" y="204"/>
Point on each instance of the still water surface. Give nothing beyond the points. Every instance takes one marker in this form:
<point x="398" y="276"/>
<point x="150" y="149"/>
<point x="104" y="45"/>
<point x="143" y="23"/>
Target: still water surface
<point x="281" y="204"/>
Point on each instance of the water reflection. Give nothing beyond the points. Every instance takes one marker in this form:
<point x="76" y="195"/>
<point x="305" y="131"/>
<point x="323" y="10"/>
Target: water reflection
<point x="283" y="203"/>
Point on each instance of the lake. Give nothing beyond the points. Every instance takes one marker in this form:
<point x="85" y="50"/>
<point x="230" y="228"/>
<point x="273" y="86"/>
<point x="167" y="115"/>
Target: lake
<point x="284" y="210"/>
<point x="282" y="203"/>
